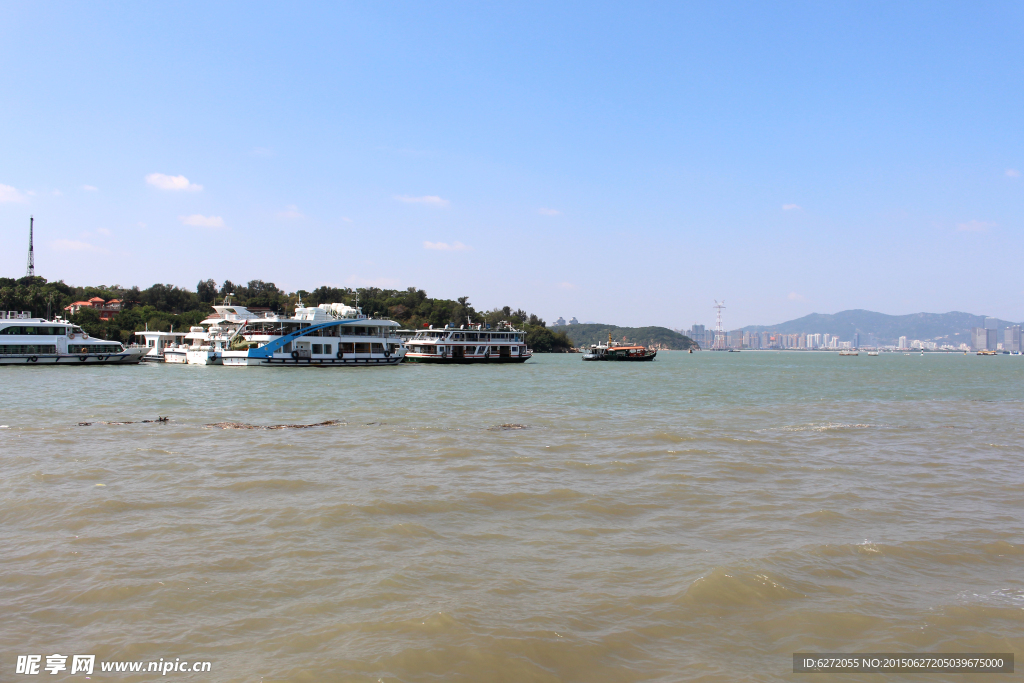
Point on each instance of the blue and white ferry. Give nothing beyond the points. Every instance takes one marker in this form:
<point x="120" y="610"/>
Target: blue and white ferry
<point x="328" y="335"/>
<point x="25" y="340"/>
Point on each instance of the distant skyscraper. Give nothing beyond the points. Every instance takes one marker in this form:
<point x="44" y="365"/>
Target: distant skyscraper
<point x="1011" y="341"/>
<point x="697" y="334"/>
<point x="903" y="343"/>
<point x="983" y="339"/>
<point x="856" y="340"/>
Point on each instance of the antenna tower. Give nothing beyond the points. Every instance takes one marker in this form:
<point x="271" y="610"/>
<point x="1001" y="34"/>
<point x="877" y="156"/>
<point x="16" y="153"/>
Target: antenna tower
<point x="719" y="344"/>
<point x="31" y="270"/>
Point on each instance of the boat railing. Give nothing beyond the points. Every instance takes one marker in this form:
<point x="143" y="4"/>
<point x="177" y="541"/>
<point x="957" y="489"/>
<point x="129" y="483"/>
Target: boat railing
<point x="15" y="315"/>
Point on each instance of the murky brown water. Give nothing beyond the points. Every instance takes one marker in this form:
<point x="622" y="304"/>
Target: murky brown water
<point x="697" y="518"/>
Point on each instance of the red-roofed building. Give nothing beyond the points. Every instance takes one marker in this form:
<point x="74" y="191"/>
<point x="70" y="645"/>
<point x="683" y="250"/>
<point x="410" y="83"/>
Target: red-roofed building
<point x="107" y="309"/>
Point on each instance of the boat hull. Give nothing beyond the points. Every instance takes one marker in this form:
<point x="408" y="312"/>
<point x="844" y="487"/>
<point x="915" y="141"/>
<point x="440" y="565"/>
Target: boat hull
<point x="617" y="358"/>
<point x="230" y="362"/>
<point x="203" y="358"/>
<point x="438" y="360"/>
<point x="127" y="357"/>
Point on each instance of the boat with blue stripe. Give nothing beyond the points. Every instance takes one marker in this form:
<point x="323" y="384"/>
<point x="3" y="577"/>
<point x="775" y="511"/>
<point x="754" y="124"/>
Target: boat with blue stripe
<point x="328" y="335"/>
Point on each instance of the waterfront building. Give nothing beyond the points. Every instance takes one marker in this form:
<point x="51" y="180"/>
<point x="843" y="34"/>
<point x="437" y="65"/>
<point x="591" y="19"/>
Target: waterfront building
<point x="856" y="340"/>
<point x="698" y="334"/>
<point x="902" y="343"/>
<point x="107" y="309"/>
<point x="1011" y="339"/>
<point x="560" y="321"/>
<point x="984" y="339"/>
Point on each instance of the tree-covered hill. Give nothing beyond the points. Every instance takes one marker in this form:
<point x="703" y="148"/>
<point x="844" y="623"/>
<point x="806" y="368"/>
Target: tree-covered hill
<point x="658" y="337"/>
<point x="162" y="306"/>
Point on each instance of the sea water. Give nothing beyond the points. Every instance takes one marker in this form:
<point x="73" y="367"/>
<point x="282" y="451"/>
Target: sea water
<point x="701" y="517"/>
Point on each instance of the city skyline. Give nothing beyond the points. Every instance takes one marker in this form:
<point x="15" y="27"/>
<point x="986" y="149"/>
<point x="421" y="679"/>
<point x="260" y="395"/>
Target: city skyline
<point x="633" y="164"/>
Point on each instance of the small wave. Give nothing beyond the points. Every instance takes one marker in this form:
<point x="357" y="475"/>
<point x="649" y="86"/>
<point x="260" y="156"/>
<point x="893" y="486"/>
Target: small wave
<point x="507" y="427"/>
<point x="826" y="427"/>
<point x="724" y="587"/>
<point x="1002" y="597"/>
<point x="270" y="485"/>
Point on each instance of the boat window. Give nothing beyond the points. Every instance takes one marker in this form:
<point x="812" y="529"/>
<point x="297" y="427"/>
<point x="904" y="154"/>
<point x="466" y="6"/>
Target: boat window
<point x="318" y="348"/>
<point x="28" y="348"/>
<point x="328" y="348"/>
<point x="362" y="348"/>
<point x="287" y="348"/>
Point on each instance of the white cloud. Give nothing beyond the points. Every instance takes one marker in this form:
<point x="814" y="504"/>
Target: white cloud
<point x="9" y="194"/>
<point x="76" y="245"/>
<point x="1013" y="173"/>
<point x="291" y="211"/>
<point x="974" y="226"/>
<point x="90" y="188"/>
<point x="172" y="182"/>
<point x="141" y="224"/>
<point x="430" y="200"/>
<point x="57" y="193"/>
<point x="793" y="296"/>
<point x="346" y="219"/>
<point x="444" y="246"/>
<point x="791" y="207"/>
<point x="549" y="212"/>
<point x="30" y="193"/>
<point x="200" y="221"/>
<point x="103" y="231"/>
<point x="566" y="285"/>
<point x="261" y="152"/>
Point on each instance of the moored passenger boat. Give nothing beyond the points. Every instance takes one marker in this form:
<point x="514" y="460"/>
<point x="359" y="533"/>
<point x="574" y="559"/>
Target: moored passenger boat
<point x="156" y="343"/>
<point x="25" y="340"/>
<point x="328" y="335"/>
<point x="469" y="344"/>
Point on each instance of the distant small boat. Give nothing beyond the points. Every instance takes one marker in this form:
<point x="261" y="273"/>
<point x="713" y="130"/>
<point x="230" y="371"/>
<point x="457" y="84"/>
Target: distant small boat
<point x="848" y="352"/>
<point x="872" y="353"/>
<point x="614" y="351"/>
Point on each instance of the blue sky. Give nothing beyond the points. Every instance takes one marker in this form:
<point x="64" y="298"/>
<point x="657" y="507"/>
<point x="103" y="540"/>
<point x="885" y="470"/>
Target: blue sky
<point x="620" y="162"/>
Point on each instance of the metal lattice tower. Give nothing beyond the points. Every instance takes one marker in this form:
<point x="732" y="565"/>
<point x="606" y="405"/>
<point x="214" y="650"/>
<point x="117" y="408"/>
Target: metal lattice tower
<point x="719" y="344"/>
<point x="31" y="270"/>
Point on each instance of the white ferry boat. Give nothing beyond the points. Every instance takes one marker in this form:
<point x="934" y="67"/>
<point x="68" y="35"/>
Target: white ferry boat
<point x="157" y="343"/>
<point x="469" y="344"/>
<point x="25" y="340"/>
<point x="204" y="343"/>
<point x="334" y="335"/>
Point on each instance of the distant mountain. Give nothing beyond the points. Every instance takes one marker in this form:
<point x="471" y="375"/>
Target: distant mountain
<point x="879" y="328"/>
<point x="592" y="333"/>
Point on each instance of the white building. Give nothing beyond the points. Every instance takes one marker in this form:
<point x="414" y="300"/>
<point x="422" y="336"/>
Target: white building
<point x="902" y="343"/>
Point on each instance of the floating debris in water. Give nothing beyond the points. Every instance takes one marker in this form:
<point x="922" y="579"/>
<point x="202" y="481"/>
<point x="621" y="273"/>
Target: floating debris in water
<point x="242" y="425"/>
<point x="126" y="422"/>
<point x="507" y="427"/>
